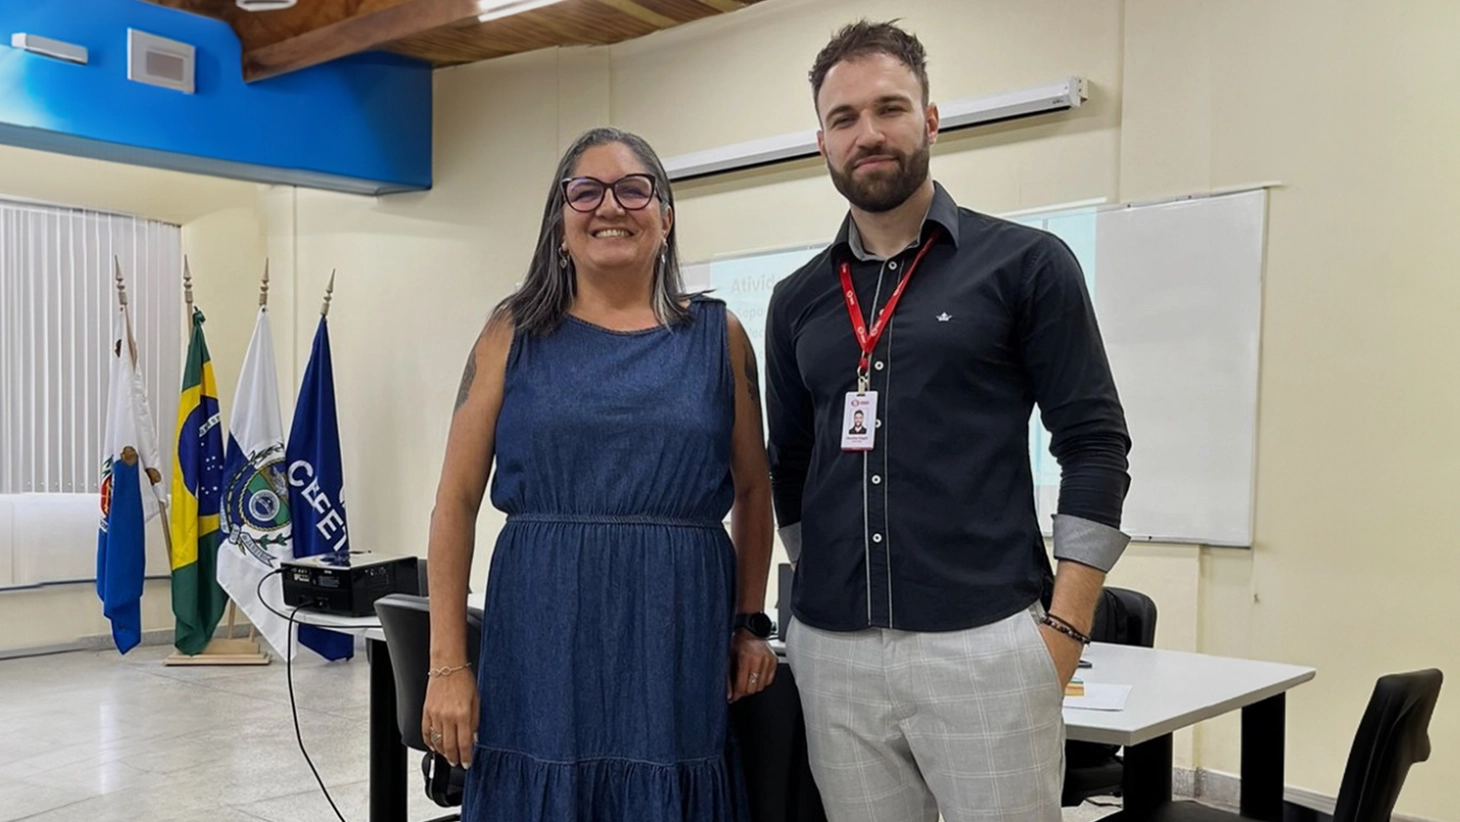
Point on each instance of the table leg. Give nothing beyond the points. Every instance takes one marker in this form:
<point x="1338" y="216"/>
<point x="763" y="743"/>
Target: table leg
<point x="1146" y="782"/>
<point x="1263" y="734"/>
<point x="387" y="753"/>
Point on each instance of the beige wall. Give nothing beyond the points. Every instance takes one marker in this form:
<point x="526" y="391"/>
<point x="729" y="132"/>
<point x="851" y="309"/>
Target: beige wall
<point x="170" y="196"/>
<point x="676" y="90"/>
<point x="1356" y="442"/>
<point x="1343" y="102"/>
<point x="221" y="234"/>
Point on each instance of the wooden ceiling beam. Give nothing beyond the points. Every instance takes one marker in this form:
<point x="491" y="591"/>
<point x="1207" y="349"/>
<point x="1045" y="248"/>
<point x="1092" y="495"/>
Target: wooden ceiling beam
<point x="723" y="6"/>
<point x="443" y="32"/>
<point x="638" y="12"/>
<point x="363" y="32"/>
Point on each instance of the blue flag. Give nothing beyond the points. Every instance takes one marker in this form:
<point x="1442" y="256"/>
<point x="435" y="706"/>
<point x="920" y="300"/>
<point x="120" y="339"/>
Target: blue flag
<point x="120" y="549"/>
<point x="128" y="477"/>
<point x="316" y="481"/>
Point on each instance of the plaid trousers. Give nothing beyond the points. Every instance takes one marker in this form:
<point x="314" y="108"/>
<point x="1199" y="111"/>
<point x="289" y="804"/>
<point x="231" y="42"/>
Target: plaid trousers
<point x="903" y="726"/>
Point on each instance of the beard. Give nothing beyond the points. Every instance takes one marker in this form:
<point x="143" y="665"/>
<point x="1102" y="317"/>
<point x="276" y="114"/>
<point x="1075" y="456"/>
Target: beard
<point x="883" y="190"/>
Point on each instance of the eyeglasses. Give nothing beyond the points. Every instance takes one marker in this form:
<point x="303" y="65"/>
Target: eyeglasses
<point x="632" y="191"/>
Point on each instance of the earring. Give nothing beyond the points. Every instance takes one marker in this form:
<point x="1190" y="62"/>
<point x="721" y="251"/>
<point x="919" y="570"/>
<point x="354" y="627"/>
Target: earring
<point x="563" y="257"/>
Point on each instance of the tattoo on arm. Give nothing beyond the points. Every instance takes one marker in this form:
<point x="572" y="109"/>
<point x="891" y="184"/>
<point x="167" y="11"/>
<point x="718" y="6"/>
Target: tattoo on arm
<point x="752" y="377"/>
<point x="467" y="376"/>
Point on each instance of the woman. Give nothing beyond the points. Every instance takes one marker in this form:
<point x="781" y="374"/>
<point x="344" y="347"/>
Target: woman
<point x="624" y="418"/>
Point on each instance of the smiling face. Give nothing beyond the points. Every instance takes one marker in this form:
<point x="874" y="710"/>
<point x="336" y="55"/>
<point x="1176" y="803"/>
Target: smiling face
<point x="611" y="238"/>
<point x="876" y="134"/>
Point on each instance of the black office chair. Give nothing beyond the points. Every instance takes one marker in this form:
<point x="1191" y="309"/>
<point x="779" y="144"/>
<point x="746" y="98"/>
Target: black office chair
<point x="1393" y="735"/>
<point x="1123" y="617"/>
<point x="406" y="621"/>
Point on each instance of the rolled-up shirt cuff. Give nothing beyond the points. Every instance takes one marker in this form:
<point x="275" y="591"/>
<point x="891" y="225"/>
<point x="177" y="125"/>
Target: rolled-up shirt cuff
<point x="1083" y="541"/>
<point x="791" y="540"/>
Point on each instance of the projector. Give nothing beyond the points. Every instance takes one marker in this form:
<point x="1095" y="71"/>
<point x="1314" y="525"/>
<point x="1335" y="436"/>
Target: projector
<point x="321" y="584"/>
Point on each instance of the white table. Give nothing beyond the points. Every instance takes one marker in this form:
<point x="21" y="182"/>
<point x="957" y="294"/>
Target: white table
<point x="1172" y="690"/>
<point x="388" y="783"/>
<point x="368" y="627"/>
<point x="387" y="752"/>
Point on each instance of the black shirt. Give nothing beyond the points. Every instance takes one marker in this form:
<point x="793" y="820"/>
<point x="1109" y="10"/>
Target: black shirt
<point x="934" y="529"/>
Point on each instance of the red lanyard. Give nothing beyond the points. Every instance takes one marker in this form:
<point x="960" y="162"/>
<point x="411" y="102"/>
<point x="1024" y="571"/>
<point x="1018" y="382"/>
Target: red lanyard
<point x="867" y="339"/>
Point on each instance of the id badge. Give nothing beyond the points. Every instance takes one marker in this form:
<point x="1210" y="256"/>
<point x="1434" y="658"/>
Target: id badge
<point x="859" y="421"/>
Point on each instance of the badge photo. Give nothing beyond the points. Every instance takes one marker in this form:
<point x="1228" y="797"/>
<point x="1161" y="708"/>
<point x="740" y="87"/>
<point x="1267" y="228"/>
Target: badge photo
<point x="859" y="421"/>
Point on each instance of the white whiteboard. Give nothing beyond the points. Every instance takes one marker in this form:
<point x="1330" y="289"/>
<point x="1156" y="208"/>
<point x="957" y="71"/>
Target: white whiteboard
<point x="1177" y="288"/>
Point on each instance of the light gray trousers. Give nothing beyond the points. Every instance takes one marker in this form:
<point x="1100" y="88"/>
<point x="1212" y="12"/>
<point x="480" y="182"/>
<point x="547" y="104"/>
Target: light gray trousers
<point x="904" y="726"/>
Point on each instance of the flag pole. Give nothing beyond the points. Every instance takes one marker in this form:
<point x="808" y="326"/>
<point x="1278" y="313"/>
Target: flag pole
<point x="263" y="304"/>
<point x="187" y="292"/>
<point x="329" y="291"/>
<point x="227" y="650"/>
<point x="132" y="351"/>
<point x="126" y="315"/>
<point x="188" y="297"/>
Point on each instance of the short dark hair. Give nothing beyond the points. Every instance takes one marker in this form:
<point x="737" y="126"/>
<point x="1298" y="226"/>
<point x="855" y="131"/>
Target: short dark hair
<point x="864" y="38"/>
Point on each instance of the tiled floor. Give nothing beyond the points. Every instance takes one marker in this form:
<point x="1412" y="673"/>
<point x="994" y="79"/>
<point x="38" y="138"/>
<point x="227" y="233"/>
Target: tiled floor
<point x="97" y="737"/>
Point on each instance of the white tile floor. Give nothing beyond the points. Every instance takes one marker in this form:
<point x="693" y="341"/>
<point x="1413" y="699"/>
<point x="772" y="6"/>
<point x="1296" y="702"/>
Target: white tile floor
<point x="97" y="737"/>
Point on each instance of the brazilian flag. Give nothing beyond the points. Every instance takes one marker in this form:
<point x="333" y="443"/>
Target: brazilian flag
<point x="197" y="481"/>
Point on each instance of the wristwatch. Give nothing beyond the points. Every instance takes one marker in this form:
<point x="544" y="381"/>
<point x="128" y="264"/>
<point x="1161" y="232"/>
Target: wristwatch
<point x="758" y="624"/>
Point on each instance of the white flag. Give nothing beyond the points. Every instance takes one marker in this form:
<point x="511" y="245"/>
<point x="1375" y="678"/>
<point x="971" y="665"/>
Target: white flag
<point x="254" y="512"/>
<point x="125" y="368"/>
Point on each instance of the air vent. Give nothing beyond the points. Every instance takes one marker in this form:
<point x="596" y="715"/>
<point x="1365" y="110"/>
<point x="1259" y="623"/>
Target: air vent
<point x="51" y="48"/>
<point x="159" y="61"/>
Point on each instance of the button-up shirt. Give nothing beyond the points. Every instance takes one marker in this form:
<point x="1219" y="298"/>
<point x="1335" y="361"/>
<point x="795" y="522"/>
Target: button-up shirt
<point x="934" y="528"/>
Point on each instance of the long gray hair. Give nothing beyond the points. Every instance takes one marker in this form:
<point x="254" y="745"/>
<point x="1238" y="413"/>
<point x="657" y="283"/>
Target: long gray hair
<point x="542" y="302"/>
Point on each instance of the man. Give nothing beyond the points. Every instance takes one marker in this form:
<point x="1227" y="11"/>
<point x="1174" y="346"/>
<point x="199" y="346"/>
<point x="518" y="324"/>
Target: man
<point x="930" y="672"/>
<point x="859" y="423"/>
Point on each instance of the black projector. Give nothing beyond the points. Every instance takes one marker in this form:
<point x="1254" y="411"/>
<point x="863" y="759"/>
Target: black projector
<point x="319" y="583"/>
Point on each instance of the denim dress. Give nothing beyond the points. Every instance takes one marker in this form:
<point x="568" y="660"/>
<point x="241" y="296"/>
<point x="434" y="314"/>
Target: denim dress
<point x="605" y="647"/>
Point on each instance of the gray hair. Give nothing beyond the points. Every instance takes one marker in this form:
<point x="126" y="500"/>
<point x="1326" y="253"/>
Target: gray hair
<point x="543" y="300"/>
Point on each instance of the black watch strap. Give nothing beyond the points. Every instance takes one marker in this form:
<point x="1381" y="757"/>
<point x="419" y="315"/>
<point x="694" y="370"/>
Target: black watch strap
<point x="758" y="624"/>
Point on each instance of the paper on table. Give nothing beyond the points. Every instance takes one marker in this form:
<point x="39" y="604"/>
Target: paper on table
<point x="1100" y="696"/>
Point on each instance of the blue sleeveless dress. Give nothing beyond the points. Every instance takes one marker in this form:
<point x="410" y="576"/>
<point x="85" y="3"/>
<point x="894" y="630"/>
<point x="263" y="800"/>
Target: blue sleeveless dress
<point x="606" y="640"/>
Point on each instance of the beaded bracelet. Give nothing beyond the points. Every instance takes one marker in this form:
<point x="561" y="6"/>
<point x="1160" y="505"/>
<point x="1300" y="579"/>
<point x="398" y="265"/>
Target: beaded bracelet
<point x="1065" y="628"/>
<point x="445" y="670"/>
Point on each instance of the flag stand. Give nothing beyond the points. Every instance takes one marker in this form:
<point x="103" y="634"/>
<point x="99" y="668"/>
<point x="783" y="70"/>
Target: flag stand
<point x="225" y="650"/>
